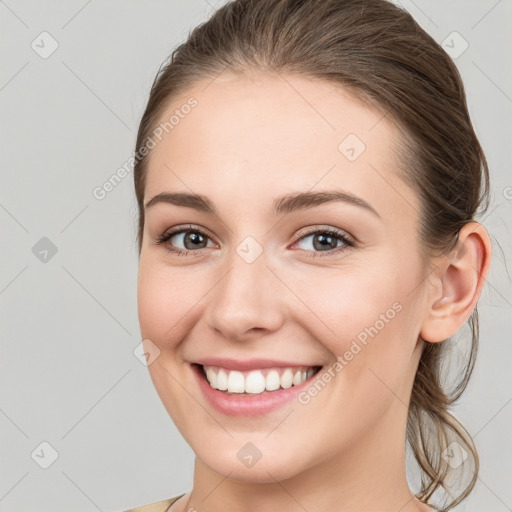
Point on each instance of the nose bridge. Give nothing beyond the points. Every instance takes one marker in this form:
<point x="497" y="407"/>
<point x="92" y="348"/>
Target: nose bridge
<point x="246" y="297"/>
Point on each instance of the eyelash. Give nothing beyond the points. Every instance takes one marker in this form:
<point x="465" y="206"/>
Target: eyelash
<point x="348" y="242"/>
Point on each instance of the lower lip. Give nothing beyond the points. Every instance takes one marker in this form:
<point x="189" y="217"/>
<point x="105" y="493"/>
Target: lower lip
<point x="247" y="405"/>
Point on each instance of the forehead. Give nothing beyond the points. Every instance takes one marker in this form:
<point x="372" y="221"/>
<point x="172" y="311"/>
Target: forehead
<point x="259" y="136"/>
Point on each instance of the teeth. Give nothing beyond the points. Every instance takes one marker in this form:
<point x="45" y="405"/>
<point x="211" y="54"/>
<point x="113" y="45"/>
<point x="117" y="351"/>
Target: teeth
<point x="212" y="377"/>
<point x="222" y="379"/>
<point x="287" y="378"/>
<point x="236" y="382"/>
<point x="256" y="381"/>
<point x="272" y="381"/>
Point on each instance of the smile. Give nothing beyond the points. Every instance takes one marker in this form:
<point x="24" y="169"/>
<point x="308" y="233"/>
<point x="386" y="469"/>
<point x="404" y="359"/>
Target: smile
<point x="251" y="392"/>
<point x="256" y="381"/>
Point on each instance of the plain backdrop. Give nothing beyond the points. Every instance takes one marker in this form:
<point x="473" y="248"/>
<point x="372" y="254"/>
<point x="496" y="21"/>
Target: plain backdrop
<point x="74" y="80"/>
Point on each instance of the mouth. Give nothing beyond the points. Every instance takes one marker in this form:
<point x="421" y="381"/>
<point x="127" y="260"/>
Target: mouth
<point x="255" y="382"/>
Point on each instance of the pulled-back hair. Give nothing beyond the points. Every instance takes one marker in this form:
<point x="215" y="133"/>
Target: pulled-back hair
<point x="377" y="51"/>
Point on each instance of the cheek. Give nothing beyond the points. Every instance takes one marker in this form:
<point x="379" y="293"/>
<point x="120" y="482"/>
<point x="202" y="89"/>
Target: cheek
<point x="166" y="301"/>
<point x="365" y="321"/>
<point x="347" y="307"/>
<point x="152" y="302"/>
<point x="166" y="312"/>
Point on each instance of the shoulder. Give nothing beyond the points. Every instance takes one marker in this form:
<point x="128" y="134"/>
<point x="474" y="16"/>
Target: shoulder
<point x="159" y="506"/>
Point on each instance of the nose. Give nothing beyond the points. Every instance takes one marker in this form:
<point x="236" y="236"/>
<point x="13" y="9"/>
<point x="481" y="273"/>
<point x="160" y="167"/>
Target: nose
<point x="247" y="301"/>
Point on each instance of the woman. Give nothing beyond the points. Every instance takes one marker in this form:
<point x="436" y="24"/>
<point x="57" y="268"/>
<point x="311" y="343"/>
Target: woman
<point x="308" y="178"/>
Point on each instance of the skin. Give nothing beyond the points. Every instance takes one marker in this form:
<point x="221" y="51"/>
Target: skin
<point x="248" y="141"/>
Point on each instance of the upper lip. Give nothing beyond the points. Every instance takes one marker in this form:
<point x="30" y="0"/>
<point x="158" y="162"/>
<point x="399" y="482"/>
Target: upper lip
<point x="249" y="364"/>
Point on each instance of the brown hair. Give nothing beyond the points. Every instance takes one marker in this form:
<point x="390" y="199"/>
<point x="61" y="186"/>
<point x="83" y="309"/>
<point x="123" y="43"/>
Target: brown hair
<point x="379" y="52"/>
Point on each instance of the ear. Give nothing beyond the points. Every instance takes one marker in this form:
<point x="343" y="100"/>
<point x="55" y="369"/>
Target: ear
<point x="461" y="278"/>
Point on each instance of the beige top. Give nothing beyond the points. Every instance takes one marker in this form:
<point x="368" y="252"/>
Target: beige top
<point x="159" y="506"/>
<point x="164" y="506"/>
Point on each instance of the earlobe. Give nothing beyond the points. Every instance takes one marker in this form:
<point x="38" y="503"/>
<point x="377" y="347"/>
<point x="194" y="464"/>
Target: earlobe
<point x="462" y="275"/>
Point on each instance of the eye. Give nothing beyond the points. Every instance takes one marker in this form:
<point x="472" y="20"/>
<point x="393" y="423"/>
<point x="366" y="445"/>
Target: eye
<point x="192" y="238"/>
<point x="326" y="240"/>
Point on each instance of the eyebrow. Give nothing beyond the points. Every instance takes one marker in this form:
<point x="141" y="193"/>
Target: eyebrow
<point x="284" y="204"/>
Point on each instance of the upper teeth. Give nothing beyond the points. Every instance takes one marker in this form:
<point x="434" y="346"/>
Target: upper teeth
<point x="256" y="381"/>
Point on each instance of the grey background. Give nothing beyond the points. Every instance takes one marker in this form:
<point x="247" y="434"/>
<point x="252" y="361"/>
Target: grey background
<point x="69" y="325"/>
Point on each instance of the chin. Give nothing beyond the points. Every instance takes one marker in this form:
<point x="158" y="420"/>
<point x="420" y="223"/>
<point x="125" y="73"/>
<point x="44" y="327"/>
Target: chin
<point x="262" y="472"/>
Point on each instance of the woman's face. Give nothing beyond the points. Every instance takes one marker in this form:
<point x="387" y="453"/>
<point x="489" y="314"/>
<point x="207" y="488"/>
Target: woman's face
<point x="262" y="286"/>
